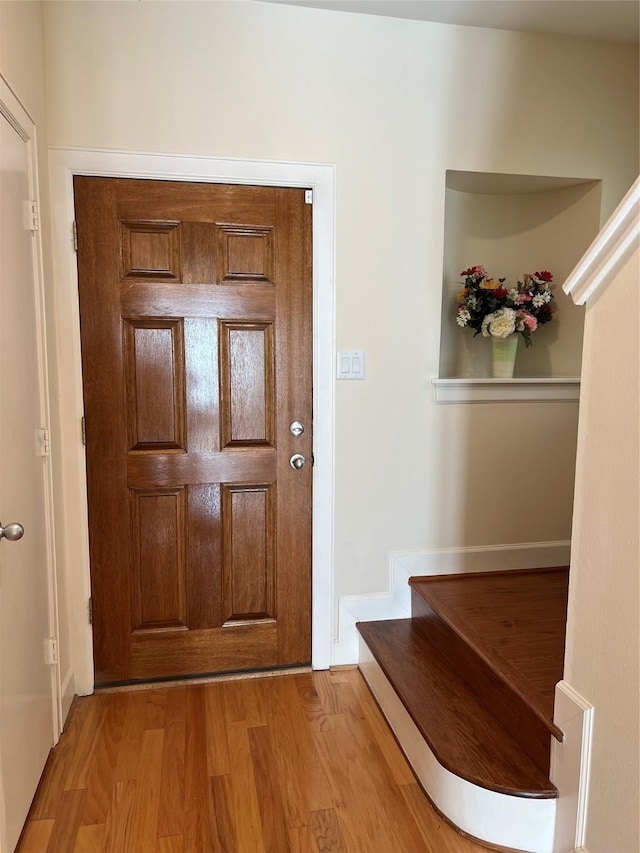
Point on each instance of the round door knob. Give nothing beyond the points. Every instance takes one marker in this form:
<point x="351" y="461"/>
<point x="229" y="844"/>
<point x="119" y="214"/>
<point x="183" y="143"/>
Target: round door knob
<point x="12" y="532"/>
<point x="296" y="428"/>
<point x="297" y="461"/>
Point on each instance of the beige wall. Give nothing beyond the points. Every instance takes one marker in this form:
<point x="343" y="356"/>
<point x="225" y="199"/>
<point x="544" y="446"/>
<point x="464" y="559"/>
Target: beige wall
<point x="22" y="64"/>
<point x="393" y="104"/>
<point x="603" y="635"/>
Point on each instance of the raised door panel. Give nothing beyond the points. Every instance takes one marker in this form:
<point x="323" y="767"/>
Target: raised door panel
<point x="158" y="560"/>
<point x="248" y="556"/>
<point x="150" y="249"/>
<point x="154" y="382"/>
<point x="247" y="387"/>
<point x="245" y="254"/>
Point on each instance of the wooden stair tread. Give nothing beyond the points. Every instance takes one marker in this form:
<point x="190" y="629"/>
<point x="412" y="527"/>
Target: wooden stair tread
<point x="461" y="732"/>
<point x="515" y="620"/>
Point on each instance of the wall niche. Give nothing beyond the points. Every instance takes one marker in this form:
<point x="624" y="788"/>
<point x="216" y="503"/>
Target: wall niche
<point x="511" y="225"/>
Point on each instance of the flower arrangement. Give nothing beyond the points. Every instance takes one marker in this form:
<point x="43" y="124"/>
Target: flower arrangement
<point x="494" y="308"/>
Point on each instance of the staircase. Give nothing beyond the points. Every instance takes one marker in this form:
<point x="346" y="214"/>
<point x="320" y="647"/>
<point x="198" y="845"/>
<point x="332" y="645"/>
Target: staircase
<point x="467" y="684"/>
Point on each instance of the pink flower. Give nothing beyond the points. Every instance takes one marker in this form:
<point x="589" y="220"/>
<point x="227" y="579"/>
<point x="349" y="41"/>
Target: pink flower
<point x="524" y="297"/>
<point x="530" y="321"/>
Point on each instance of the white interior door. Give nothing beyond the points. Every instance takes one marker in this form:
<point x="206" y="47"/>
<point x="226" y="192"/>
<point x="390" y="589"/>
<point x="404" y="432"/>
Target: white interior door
<point x="27" y="709"/>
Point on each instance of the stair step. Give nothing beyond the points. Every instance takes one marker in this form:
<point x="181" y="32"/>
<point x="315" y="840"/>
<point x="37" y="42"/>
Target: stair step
<point x="503" y="633"/>
<point x="461" y="732"/>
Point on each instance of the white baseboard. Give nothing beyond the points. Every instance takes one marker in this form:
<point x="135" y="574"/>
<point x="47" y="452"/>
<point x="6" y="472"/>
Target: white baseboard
<point x="570" y="766"/>
<point x="485" y="558"/>
<point x="68" y="692"/>
<point x="395" y="603"/>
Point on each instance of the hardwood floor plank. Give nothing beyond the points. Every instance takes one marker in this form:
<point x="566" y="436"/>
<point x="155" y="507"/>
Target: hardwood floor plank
<point x="302" y="777"/>
<point x="272" y="813"/>
<point x="369" y="796"/>
<point x="131" y="744"/>
<point x="67" y="822"/>
<point x="91" y="722"/>
<point x="90" y="838"/>
<point x="170" y="844"/>
<point x="156" y="709"/>
<point x="255" y="714"/>
<point x="224" y="829"/>
<point x="234" y="701"/>
<point x="327" y="832"/>
<point x="36" y="835"/>
<point x="51" y="787"/>
<point x="144" y="820"/>
<point x="171" y="812"/>
<point x="119" y="817"/>
<point x="244" y="802"/>
<point x="318" y="720"/>
<point x="101" y="777"/>
<point x="329" y="697"/>
<point x="218" y="763"/>
<point x="302" y="840"/>
<point x="198" y="819"/>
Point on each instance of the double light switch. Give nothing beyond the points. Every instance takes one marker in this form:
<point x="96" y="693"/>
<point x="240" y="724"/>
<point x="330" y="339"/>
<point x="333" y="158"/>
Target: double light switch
<point x="351" y="364"/>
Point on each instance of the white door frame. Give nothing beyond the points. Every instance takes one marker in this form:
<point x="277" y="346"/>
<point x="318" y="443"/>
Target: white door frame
<point x="18" y="116"/>
<point x="64" y="164"/>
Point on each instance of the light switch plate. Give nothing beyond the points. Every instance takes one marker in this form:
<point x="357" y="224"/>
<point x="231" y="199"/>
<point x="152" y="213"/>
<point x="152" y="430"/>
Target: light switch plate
<point x="351" y="364"/>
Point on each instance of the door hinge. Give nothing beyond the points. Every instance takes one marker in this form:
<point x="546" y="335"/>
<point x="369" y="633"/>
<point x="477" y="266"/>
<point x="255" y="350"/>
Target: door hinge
<point x="51" y="651"/>
<point x="83" y="429"/>
<point x="42" y="442"/>
<point x="31" y="216"/>
<point x="90" y="610"/>
<point x="308" y="196"/>
<point x="74" y="235"/>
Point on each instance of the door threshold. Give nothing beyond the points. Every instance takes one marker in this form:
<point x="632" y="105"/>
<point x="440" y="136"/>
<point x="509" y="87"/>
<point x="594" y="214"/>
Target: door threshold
<point x="209" y="678"/>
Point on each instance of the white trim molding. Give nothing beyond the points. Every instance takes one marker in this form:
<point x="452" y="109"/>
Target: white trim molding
<point x="517" y="390"/>
<point x="395" y="602"/>
<point x="320" y="178"/>
<point x="610" y="250"/>
<point x="571" y="766"/>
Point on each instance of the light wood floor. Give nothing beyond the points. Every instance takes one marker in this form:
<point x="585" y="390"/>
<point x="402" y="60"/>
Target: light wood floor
<point x="302" y="763"/>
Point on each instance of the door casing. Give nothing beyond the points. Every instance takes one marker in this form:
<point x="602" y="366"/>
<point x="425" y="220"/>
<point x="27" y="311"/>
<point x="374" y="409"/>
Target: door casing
<point x="73" y="529"/>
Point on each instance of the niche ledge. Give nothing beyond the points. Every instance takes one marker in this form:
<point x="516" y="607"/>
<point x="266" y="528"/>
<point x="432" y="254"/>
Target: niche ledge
<point x="518" y="390"/>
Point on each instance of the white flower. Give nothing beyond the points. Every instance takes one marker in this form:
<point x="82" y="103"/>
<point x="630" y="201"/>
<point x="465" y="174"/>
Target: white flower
<point x="513" y="294"/>
<point x="503" y="323"/>
<point x="541" y="299"/>
<point x="485" y="324"/>
<point x="463" y="317"/>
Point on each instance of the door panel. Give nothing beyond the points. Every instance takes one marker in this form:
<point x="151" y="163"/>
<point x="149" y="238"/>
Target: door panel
<point x="195" y="306"/>
<point x="26" y="683"/>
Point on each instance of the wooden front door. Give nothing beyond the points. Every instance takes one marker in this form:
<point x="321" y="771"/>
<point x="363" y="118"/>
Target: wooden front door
<point x="195" y="309"/>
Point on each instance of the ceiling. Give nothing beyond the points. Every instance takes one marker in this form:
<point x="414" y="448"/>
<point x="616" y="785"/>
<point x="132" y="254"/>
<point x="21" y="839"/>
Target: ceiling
<point x="611" y="20"/>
